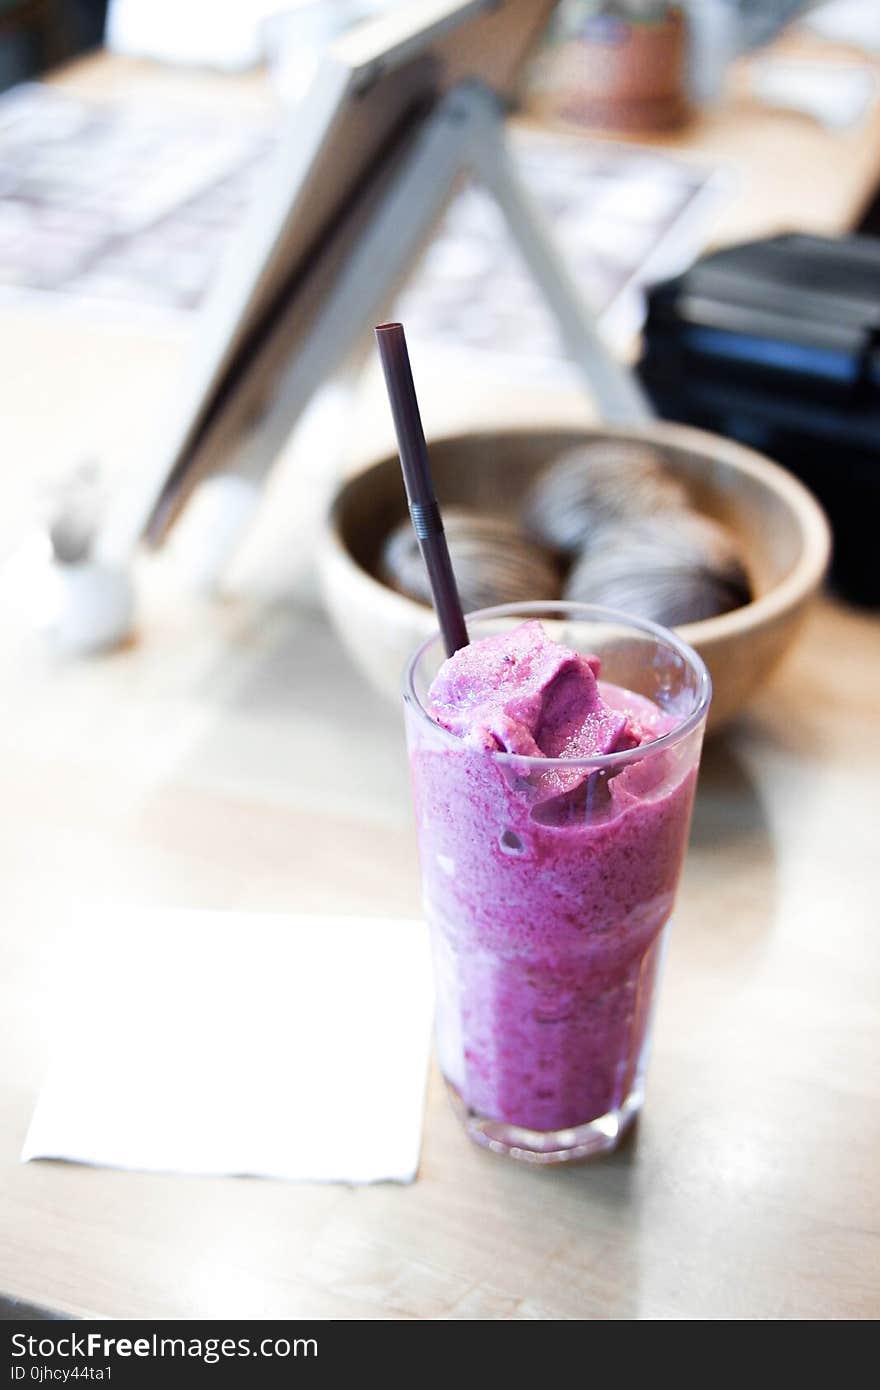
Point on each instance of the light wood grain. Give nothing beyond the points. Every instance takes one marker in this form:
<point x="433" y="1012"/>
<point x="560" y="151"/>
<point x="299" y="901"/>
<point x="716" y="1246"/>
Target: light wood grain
<point x="213" y="763"/>
<point x="750" y="1189"/>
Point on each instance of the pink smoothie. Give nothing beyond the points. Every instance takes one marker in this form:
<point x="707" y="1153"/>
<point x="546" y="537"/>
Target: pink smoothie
<point x="546" y="888"/>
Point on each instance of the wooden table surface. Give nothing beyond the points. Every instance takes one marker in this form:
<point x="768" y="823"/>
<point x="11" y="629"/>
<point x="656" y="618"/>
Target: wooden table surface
<point x="212" y="764"/>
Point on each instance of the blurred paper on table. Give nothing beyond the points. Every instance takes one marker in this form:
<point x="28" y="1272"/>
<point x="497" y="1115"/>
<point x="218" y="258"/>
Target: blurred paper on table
<point x="836" y="95"/>
<point x="130" y="203"/>
<point x="855" y="22"/>
<point x="237" y="1043"/>
<point x="128" y="208"/>
<point x="622" y="217"/>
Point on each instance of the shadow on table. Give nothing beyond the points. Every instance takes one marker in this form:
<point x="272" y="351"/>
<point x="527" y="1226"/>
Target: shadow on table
<point x="292" y="718"/>
<point x="729" y="891"/>
<point x="728" y="806"/>
<point x="17" y="1310"/>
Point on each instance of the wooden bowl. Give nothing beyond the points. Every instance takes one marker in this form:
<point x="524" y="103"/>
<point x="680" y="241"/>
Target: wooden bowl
<point x="783" y="533"/>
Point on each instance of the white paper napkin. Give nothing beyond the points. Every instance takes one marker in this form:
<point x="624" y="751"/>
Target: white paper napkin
<point x="226" y="1042"/>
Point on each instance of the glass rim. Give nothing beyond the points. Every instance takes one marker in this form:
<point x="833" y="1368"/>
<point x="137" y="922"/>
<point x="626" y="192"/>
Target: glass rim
<point x="584" y="612"/>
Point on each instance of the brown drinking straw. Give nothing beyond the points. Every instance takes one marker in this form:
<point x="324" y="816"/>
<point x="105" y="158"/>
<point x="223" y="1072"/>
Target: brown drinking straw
<point x="424" y="512"/>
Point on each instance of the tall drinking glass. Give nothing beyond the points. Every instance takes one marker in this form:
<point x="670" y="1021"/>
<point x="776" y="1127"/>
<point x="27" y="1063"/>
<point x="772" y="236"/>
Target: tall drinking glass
<point x="548" y="916"/>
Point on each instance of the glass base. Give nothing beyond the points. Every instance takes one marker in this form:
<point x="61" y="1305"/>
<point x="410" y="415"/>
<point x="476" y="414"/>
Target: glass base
<point x="598" y="1136"/>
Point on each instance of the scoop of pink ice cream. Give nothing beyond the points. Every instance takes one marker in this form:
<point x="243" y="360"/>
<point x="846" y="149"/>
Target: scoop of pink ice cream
<point x="522" y="693"/>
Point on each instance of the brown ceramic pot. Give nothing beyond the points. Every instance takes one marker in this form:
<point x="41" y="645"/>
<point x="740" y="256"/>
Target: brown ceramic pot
<point x="624" y="76"/>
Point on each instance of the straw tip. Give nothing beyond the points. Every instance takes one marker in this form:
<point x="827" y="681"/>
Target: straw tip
<point x="388" y="328"/>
